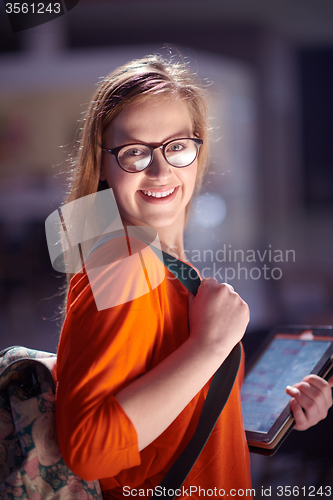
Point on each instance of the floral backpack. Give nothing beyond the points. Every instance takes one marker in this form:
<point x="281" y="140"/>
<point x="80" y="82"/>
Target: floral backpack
<point x="31" y="465"/>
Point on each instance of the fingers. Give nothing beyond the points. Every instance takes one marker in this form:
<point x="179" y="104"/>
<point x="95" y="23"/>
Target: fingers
<point x="311" y="401"/>
<point x="321" y="385"/>
<point x="213" y="282"/>
<point x="313" y="390"/>
<point x="218" y="316"/>
<point x="301" y="422"/>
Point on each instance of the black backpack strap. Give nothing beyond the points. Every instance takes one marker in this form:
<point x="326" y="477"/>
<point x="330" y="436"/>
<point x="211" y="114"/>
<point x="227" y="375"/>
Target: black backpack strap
<point x="186" y="274"/>
<point x="216" y="399"/>
<point x="217" y="396"/>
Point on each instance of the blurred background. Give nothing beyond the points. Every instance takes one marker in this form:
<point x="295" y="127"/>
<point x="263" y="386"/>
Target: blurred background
<point x="264" y="219"/>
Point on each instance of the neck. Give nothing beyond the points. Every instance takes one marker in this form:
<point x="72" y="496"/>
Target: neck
<point x="171" y="237"/>
<point x="172" y="241"/>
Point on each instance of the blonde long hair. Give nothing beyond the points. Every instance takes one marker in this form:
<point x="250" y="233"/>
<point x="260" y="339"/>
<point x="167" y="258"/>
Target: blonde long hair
<point x="138" y="79"/>
<point x="150" y="75"/>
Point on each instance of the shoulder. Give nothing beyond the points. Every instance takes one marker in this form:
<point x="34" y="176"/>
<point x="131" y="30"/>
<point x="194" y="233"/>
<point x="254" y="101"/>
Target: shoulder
<point x="116" y="273"/>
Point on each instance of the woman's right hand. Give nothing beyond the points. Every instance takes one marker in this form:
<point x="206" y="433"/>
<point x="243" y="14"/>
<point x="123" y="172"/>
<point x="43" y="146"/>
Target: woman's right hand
<point x="218" y="317"/>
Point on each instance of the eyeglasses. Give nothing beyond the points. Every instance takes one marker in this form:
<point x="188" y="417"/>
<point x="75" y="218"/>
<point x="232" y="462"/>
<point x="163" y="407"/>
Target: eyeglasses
<point x="137" y="157"/>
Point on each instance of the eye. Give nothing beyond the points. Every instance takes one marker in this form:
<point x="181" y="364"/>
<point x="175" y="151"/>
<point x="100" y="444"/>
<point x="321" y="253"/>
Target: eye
<point x="134" y="157"/>
<point x="133" y="152"/>
<point x="176" y="147"/>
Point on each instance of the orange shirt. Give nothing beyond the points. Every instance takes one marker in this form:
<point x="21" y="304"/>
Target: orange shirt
<point x="102" y="351"/>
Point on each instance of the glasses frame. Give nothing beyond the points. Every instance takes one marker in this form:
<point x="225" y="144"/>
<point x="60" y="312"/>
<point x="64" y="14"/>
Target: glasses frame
<point x="152" y="147"/>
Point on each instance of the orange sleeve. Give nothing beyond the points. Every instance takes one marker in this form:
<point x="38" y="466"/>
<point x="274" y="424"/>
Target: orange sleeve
<point x="100" y="352"/>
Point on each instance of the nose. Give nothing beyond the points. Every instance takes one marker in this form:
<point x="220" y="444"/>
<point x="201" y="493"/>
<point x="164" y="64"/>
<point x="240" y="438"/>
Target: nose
<point x="159" y="168"/>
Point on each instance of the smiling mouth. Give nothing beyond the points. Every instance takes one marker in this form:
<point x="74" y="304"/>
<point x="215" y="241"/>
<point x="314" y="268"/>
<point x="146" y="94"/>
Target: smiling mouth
<point x="163" y="194"/>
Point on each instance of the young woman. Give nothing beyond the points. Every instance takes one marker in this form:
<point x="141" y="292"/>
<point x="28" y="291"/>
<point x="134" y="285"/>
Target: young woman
<point x="132" y="378"/>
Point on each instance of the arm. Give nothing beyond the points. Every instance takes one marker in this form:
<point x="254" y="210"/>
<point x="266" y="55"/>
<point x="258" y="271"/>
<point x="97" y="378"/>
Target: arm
<point x="218" y="318"/>
<point x="108" y="404"/>
<point x="311" y="400"/>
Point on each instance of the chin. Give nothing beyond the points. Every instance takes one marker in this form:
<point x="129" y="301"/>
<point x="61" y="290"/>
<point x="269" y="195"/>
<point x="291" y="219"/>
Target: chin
<point x="158" y="222"/>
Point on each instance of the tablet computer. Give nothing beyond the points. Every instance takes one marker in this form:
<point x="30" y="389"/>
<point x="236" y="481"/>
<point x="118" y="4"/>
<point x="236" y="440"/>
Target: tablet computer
<point x="292" y="352"/>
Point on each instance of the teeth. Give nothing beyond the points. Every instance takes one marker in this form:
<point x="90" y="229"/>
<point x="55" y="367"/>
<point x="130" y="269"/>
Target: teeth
<point x="158" y="195"/>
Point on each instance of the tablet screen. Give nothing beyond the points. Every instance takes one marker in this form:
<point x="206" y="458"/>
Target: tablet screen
<point x="285" y="362"/>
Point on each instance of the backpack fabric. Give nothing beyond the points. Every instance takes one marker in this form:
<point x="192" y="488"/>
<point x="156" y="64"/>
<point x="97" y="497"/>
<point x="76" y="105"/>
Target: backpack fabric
<point x="31" y="465"/>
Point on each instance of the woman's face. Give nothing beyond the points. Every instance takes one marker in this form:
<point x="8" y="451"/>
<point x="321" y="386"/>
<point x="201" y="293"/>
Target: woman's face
<point x="153" y="120"/>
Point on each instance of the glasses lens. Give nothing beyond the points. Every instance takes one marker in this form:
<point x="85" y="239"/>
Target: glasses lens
<point x="134" y="158"/>
<point x="181" y="153"/>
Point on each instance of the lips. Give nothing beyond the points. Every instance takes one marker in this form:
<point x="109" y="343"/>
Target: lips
<point x="158" y="195"/>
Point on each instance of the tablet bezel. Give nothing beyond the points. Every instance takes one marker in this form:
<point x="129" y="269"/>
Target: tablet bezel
<point x="268" y="443"/>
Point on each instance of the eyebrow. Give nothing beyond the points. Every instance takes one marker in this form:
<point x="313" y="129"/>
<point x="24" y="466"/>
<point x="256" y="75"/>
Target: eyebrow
<point x="180" y="135"/>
